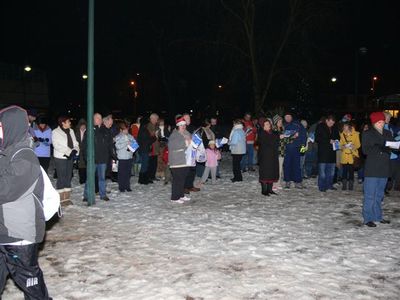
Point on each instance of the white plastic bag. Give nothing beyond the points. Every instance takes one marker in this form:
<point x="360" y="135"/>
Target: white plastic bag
<point x="51" y="198"/>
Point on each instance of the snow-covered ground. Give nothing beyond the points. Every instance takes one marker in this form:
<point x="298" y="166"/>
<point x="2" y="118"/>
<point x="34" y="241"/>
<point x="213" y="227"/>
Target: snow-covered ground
<point x="229" y="242"/>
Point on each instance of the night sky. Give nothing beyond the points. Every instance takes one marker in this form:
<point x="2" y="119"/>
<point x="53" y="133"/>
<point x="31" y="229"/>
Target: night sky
<point x="176" y="48"/>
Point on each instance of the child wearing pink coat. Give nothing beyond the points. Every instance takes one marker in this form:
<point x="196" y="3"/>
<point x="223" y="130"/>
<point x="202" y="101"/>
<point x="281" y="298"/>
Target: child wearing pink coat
<point x="213" y="155"/>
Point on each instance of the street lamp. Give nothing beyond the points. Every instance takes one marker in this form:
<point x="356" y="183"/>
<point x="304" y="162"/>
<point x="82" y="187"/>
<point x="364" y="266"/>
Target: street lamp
<point x="333" y="79"/>
<point x="27" y="68"/>
<point x="220" y="86"/>
<point x="374" y="79"/>
<point x="84" y="76"/>
<point x="132" y="83"/>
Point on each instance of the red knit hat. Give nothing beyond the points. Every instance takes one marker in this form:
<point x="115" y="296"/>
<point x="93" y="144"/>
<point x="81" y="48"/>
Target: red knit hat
<point x="376" y="117"/>
<point x="180" y="121"/>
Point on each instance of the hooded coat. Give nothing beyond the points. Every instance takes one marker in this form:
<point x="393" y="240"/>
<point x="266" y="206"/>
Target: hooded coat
<point x="21" y="181"/>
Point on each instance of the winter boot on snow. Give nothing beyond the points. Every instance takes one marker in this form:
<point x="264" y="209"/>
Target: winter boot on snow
<point x="264" y="189"/>
<point x="270" y="190"/>
<point x="351" y="185"/>
<point x="66" y="201"/>
<point x="344" y="184"/>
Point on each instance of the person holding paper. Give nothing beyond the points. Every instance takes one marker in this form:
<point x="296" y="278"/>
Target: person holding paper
<point x="178" y="144"/>
<point x="297" y="136"/>
<point x="326" y="135"/>
<point x="123" y="142"/>
<point x="377" y="169"/>
<point x="237" y="145"/>
<point x="349" y="144"/>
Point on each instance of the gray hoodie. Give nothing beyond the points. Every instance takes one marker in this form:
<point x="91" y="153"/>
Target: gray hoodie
<point x="21" y="181"/>
<point x="176" y="150"/>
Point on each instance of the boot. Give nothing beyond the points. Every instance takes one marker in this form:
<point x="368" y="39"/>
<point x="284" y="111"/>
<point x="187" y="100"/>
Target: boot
<point x="351" y="185"/>
<point x="142" y="178"/>
<point x="264" y="189"/>
<point x="66" y="200"/>
<point x="270" y="191"/>
<point x="344" y="184"/>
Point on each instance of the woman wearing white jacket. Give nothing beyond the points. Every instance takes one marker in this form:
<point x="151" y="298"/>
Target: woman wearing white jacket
<point x="65" y="148"/>
<point x="237" y="145"/>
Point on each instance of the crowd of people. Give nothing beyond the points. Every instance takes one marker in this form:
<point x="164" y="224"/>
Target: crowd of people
<point x="286" y="150"/>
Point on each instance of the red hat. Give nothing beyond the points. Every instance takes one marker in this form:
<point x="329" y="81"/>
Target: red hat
<point x="376" y="117"/>
<point x="180" y="121"/>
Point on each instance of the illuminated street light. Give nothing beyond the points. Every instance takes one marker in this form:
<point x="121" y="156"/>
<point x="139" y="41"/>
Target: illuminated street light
<point x="84" y="76"/>
<point x="132" y="83"/>
<point x="375" y="78"/>
<point x="28" y="68"/>
<point x="220" y="86"/>
<point x="137" y="74"/>
<point x="333" y="79"/>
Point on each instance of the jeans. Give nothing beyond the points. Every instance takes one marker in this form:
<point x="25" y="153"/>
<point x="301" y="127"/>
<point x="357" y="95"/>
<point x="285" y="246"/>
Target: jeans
<point x="236" y="160"/>
<point x="374" y="191"/>
<point x="64" y="173"/>
<point x="302" y="165"/>
<point x="21" y="264"/>
<point x="101" y="177"/>
<point x="311" y="162"/>
<point x="247" y="160"/>
<point x="326" y="172"/>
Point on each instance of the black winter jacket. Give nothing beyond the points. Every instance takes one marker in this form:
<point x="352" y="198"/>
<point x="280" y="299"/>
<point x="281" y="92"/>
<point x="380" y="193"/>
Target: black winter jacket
<point x="103" y="145"/>
<point x="377" y="163"/>
<point x="323" y="136"/>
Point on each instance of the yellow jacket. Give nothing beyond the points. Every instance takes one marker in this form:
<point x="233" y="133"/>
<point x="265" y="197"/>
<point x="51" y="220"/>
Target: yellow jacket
<point x="348" y="154"/>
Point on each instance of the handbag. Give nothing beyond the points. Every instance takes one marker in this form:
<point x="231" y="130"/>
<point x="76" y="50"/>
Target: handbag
<point x="51" y="198"/>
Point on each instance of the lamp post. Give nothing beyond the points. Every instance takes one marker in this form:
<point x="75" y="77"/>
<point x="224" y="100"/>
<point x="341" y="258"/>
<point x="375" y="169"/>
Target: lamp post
<point x="90" y="171"/>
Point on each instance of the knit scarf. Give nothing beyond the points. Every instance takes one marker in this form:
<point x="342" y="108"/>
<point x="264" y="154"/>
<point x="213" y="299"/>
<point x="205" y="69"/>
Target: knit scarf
<point x="70" y="143"/>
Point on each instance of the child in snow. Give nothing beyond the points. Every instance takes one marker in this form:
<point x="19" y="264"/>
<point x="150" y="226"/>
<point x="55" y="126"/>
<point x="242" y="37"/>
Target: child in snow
<point x="213" y="155"/>
<point x="125" y="155"/>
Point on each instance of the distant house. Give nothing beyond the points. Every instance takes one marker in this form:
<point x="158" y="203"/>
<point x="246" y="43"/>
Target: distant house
<point x="390" y="103"/>
<point x="25" y="88"/>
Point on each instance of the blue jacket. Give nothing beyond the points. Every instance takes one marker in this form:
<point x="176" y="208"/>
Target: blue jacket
<point x="44" y="142"/>
<point x="121" y="144"/>
<point x="301" y="139"/>
<point x="237" y="140"/>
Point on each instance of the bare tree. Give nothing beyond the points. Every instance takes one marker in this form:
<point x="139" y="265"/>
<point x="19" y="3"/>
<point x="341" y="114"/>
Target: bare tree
<point x="263" y="52"/>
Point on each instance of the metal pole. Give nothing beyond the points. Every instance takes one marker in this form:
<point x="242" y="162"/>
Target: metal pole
<point x="90" y="168"/>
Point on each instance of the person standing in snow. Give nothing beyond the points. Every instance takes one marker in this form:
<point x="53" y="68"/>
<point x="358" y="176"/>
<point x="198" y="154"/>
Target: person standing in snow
<point x="22" y="222"/>
<point x="65" y="148"/>
<point x="80" y="130"/>
<point x="213" y="156"/>
<point x="122" y="142"/>
<point x="278" y="128"/>
<point x="237" y="145"/>
<point x="251" y="136"/>
<point x="145" y="140"/>
<point x="43" y="134"/>
<point x="377" y="169"/>
<point x="178" y="143"/>
<point x="349" y="143"/>
<point x="326" y="135"/>
<point x="189" y="183"/>
<point x="297" y="137"/>
<point x="152" y="127"/>
<point x="268" y="158"/>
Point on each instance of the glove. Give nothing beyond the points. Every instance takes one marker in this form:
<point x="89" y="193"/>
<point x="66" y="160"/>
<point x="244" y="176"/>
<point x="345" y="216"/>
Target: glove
<point x="71" y="155"/>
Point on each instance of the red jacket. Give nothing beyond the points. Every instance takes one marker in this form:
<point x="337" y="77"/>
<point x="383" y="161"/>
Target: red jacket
<point x="251" y="131"/>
